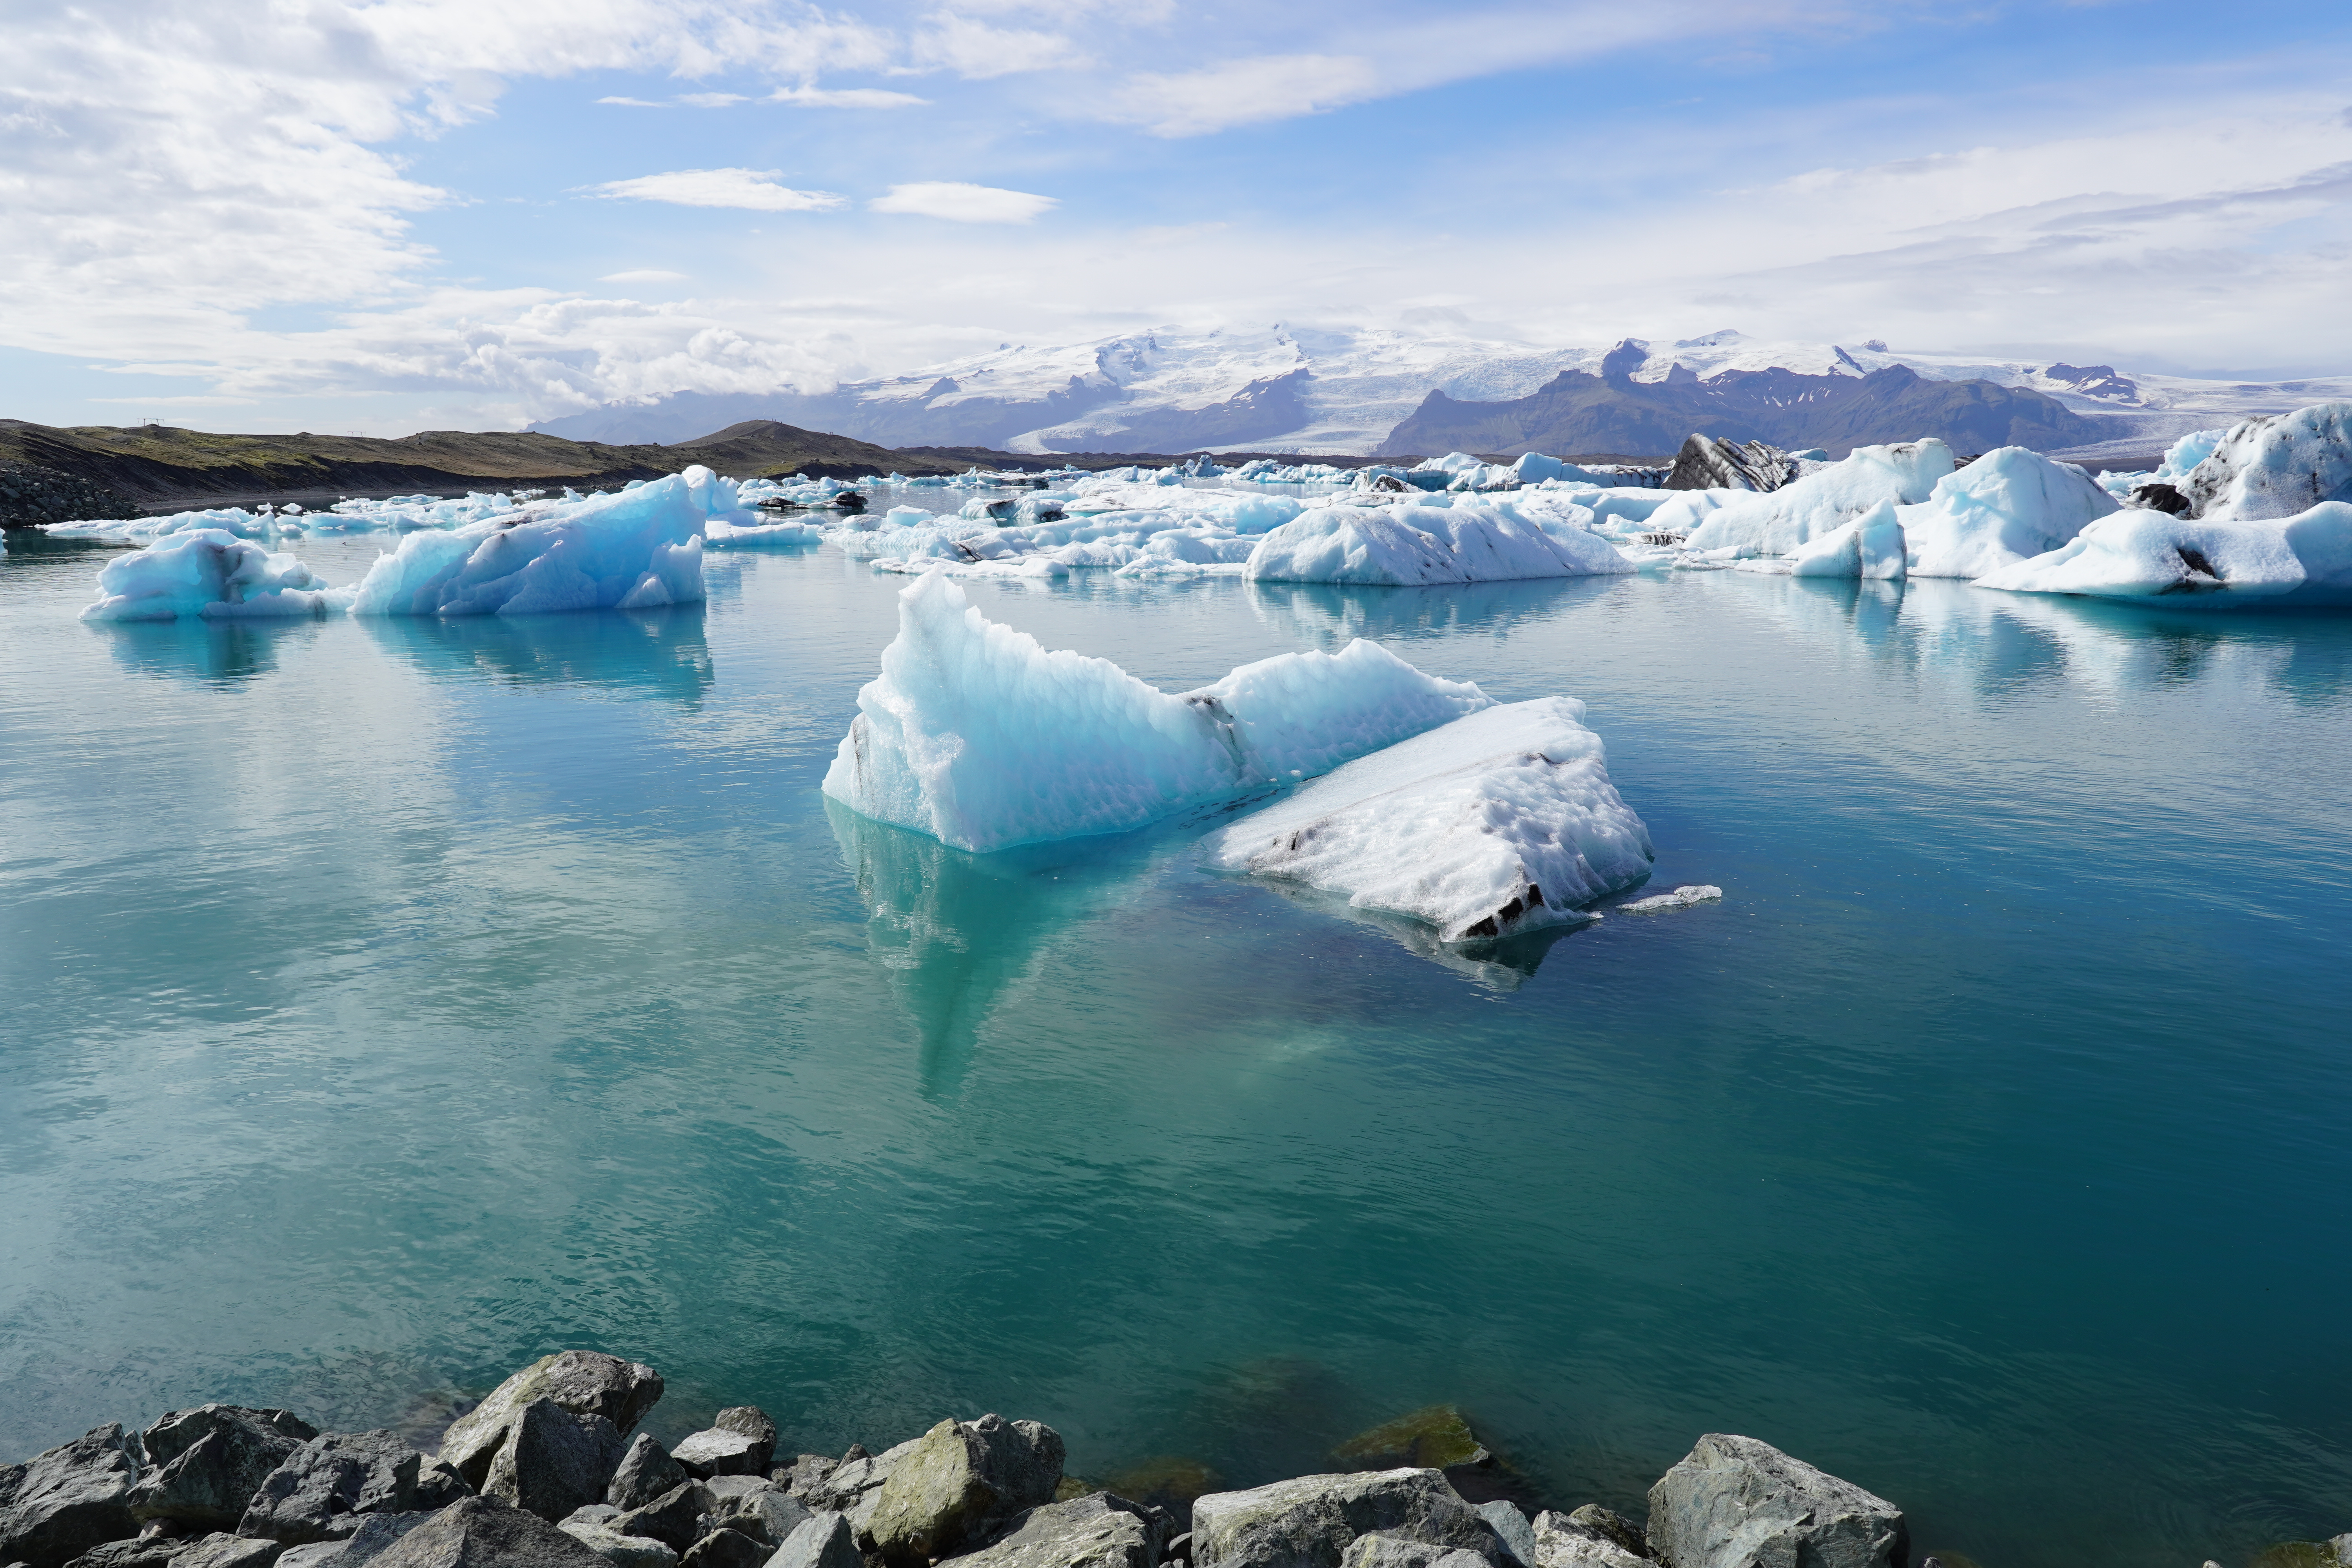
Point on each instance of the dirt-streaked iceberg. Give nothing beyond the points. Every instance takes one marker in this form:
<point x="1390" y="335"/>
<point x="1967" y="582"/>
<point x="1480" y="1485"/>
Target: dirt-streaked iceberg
<point x="1499" y="822"/>
<point x="979" y="736"/>
<point x="1778" y="521"/>
<point x="2275" y="466"/>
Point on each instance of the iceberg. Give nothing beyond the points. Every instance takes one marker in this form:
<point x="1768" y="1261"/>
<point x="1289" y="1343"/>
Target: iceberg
<point x="2275" y="466"/>
<point x="2199" y="563"/>
<point x="718" y="535"/>
<point x="1682" y="898"/>
<point x="1502" y="821"/>
<point x="1409" y="544"/>
<point x="982" y="737"/>
<point x="209" y="572"/>
<point x="2010" y="505"/>
<point x="634" y="549"/>
<point x="1778" y="521"/>
<point x="1870" y="546"/>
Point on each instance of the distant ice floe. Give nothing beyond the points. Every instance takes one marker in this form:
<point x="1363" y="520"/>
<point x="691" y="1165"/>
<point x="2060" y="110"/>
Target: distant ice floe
<point x="1409" y="545"/>
<point x="1682" y="898"/>
<point x="978" y="736"/>
<point x="1501" y="821"/>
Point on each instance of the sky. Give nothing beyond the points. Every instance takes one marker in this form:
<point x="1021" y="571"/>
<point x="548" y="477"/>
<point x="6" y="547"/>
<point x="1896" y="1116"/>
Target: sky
<point x="382" y="216"/>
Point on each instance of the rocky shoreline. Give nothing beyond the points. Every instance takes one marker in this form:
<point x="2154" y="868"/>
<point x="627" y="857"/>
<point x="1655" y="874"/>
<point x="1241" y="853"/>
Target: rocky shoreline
<point x="544" y="1473"/>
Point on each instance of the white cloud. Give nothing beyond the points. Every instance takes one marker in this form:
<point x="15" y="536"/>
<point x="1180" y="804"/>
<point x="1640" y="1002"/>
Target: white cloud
<point x="961" y="203"/>
<point x="633" y="102"/>
<point x="845" y="98"/>
<point x="748" y="190"/>
<point x="642" y="275"/>
<point x="977" y="51"/>
<point x="711" y="99"/>
<point x="1245" y="91"/>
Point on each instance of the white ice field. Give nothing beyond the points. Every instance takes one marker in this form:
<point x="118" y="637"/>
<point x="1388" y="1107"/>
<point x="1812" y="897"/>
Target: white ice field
<point x="1400" y="791"/>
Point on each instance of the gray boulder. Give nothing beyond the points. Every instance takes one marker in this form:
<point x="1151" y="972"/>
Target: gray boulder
<point x="674" y="1518"/>
<point x="1568" y="1540"/>
<point x="1615" y="1526"/>
<point x="375" y="1534"/>
<point x="823" y="1541"/>
<point x="554" y="1461"/>
<point x="59" y="1504"/>
<point x="645" y="1472"/>
<point x="626" y="1550"/>
<point x="586" y="1382"/>
<point x="725" y="1549"/>
<point x="955" y="1480"/>
<point x="1098" y="1531"/>
<point x="715" y="1452"/>
<point x="1381" y="1550"/>
<point x="211" y="1460"/>
<point x="221" y="1550"/>
<point x="1735" y="1502"/>
<point x="151" y="1549"/>
<point x="327" y="1485"/>
<point x="1518" y="1536"/>
<point x="855" y="1487"/>
<point x="754" y="1506"/>
<point x="1309" y="1522"/>
<point x="751" y="1421"/>
<point x="486" y="1532"/>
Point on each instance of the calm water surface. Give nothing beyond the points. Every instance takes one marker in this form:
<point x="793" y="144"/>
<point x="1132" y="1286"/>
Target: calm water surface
<point x="384" y="1003"/>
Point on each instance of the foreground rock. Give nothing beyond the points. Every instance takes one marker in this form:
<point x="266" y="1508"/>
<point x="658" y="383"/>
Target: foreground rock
<point x="212" y="1458"/>
<point x="1098" y="1531"/>
<point x="1311" y="1521"/>
<point x="1736" y="1501"/>
<point x="481" y="1531"/>
<point x="1570" y="1541"/>
<point x="586" y="1382"/>
<point x="61" y="1503"/>
<point x="554" y="1461"/>
<point x="645" y="1472"/>
<point x="957" y="1478"/>
<point x="824" y="1541"/>
<point x="327" y="1487"/>
<point x="739" y="1442"/>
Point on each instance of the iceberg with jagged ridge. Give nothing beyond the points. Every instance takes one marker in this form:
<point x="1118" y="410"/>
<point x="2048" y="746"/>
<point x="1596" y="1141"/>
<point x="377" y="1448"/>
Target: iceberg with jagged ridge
<point x="979" y="736"/>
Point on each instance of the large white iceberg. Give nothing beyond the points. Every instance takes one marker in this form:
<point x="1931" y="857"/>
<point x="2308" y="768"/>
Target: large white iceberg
<point x="1778" y="521"/>
<point x="1870" y="546"/>
<point x="978" y="736"/>
<point x="2202" y="562"/>
<point x="2010" y="505"/>
<point x="210" y="572"/>
<point x="1410" y="545"/>
<point x="2275" y="466"/>
<point x="1499" y="822"/>
<point x="635" y="549"/>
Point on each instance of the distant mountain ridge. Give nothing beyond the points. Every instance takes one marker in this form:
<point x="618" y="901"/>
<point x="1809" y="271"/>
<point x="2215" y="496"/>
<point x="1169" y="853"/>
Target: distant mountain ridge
<point x="1577" y="411"/>
<point x="1294" y="389"/>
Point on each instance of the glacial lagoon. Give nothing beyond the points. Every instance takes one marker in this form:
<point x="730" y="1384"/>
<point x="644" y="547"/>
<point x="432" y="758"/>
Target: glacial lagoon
<point x="383" y="1002"/>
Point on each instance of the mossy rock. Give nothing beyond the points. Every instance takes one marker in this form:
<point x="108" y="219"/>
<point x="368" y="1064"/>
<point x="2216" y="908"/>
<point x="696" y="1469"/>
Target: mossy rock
<point x="1071" y="1487"/>
<point x="2335" y="1553"/>
<point x="1437" y="1438"/>
<point x="1168" y="1480"/>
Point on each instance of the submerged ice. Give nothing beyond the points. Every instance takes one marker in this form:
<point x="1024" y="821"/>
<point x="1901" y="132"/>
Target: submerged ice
<point x="1501" y="821"/>
<point x="979" y="736"/>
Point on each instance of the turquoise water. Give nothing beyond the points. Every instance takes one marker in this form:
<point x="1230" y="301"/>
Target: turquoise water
<point x="382" y="1004"/>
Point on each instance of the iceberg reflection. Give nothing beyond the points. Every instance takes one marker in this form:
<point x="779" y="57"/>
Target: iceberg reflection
<point x="212" y="652"/>
<point x="956" y="930"/>
<point x="652" y="652"/>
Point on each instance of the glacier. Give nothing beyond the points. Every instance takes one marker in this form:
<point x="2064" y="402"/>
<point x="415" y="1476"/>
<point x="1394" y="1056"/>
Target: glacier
<point x="1501" y="821"/>
<point x="208" y="573"/>
<point x="979" y="736"/>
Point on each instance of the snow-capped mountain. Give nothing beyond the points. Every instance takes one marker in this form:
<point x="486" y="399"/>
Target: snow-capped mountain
<point x="1294" y="389"/>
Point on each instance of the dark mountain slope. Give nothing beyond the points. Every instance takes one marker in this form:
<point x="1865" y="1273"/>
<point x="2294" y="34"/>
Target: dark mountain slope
<point x="1577" y="411"/>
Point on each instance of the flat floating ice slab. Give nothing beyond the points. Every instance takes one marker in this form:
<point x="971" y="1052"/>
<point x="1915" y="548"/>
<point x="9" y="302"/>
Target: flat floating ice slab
<point x="978" y="736"/>
<point x="1682" y="898"/>
<point x="1499" y="822"/>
